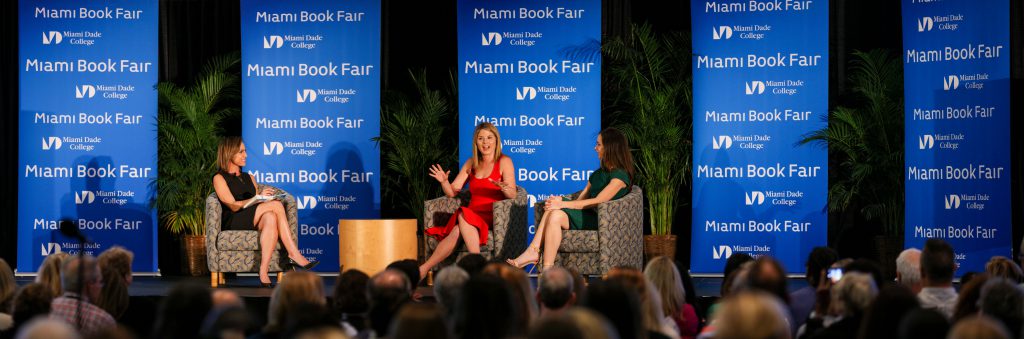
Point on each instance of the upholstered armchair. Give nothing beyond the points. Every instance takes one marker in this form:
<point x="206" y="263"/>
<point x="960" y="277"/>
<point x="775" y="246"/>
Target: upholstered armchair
<point x="507" y="236"/>
<point x="239" y="251"/>
<point x="618" y="240"/>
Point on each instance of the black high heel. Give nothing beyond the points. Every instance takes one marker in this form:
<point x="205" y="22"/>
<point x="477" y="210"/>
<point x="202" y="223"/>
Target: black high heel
<point x="307" y="267"/>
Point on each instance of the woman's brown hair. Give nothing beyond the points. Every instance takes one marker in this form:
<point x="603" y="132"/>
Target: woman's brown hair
<point x="227" y="149"/>
<point x="616" y="152"/>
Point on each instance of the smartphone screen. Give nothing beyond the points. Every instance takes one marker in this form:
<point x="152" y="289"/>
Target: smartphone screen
<point x="835" y="274"/>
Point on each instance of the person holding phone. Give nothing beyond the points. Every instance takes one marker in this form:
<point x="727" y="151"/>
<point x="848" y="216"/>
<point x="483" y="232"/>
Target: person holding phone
<point x="491" y="177"/>
<point x="236" y="191"/>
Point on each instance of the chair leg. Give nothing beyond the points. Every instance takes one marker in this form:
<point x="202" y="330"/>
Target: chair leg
<point x="280" y="277"/>
<point x="220" y="277"/>
<point x="214" y="279"/>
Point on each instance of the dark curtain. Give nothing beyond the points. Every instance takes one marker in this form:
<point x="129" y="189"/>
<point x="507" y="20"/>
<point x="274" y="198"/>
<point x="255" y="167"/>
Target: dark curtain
<point x="9" y="131"/>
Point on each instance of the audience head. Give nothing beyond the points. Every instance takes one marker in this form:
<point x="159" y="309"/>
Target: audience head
<point x="819" y="260"/>
<point x="735" y="261"/>
<point x="751" y="315"/>
<point x="31" y="300"/>
<point x="118" y="261"/>
<point x="668" y="283"/>
<point x="869" y="267"/>
<point x="618" y="304"/>
<point x="736" y="279"/>
<point x="308" y="316"/>
<point x="419" y="321"/>
<point x="447" y="284"/>
<point x="472" y="263"/>
<point x="224" y="298"/>
<point x="892" y="303"/>
<point x="113" y="294"/>
<point x="575" y="323"/>
<point x="688" y="287"/>
<point x="937" y="263"/>
<point x="71" y="277"/>
<point x="49" y="272"/>
<point x="486" y="128"/>
<point x="411" y="269"/>
<point x="970" y="294"/>
<point x="522" y="293"/>
<point x="7" y="286"/>
<point x="1003" y="267"/>
<point x="768" y="275"/>
<point x="486" y="309"/>
<point x="229" y="322"/>
<point x="615" y="152"/>
<point x="978" y="326"/>
<point x="555" y="289"/>
<point x="923" y="323"/>
<point x="388" y="291"/>
<point x="1003" y="300"/>
<point x="295" y="289"/>
<point x="579" y="283"/>
<point x="226" y="151"/>
<point x="650" y="301"/>
<point x="182" y="311"/>
<point x="852" y="295"/>
<point x="908" y="269"/>
<point x="350" y="296"/>
<point x="44" y="328"/>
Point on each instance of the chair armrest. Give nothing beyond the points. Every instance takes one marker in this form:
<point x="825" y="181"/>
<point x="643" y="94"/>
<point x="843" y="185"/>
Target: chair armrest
<point x="620" y="230"/>
<point x="437" y="211"/>
<point x="508" y="234"/>
<point x="213" y="227"/>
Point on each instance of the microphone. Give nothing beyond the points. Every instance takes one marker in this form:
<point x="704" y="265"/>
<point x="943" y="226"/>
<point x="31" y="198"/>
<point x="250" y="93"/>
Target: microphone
<point x="68" y="229"/>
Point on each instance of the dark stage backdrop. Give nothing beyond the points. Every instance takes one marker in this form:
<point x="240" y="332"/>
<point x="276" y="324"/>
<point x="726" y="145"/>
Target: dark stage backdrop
<point x="421" y="34"/>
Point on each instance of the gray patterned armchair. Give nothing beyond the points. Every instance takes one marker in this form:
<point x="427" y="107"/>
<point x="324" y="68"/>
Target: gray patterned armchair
<point x="618" y="240"/>
<point x="239" y="251"/>
<point x="507" y="236"/>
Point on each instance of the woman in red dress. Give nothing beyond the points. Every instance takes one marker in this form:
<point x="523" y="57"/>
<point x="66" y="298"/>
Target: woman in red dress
<point x="491" y="177"/>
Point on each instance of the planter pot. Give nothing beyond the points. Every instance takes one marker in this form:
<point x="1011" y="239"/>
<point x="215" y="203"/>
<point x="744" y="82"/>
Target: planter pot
<point x="887" y="248"/>
<point x="195" y="254"/>
<point x="659" y="245"/>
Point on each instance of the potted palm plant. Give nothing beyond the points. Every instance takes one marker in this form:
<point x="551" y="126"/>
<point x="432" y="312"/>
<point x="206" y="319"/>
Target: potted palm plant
<point x="650" y="84"/>
<point x="865" y="141"/>
<point x="189" y="130"/>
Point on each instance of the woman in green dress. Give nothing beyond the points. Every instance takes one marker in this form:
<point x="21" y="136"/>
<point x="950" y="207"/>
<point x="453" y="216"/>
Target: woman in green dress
<point x="612" y="181"/>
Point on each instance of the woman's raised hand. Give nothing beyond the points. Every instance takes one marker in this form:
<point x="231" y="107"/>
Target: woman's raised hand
<point x="439" y="173"/>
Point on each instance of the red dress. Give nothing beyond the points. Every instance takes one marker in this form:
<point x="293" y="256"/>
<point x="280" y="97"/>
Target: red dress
<point x="480" y="212"/>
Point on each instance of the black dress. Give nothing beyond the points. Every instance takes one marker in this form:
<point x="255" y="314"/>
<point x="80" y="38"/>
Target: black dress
<point x="242" y="188"/>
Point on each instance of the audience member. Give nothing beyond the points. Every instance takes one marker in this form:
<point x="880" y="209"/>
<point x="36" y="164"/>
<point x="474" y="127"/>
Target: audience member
<point x="869" y="267"/>
<point x="655" y="322"/>
<point x="411" y="269"/>
<point x="966" y="278"/>
<point x="447" y="284"/>
<point x="1003" y="300"/>
<point x="937" y="267"/>
<point x="486" y="309"/>
<point x="751" y="315"/>
<point x="308" y="315"/>
<point x="387" y="291"/>
<point x="182" y="311"/>
<point x="116" y="268"/>
<point x="30" y="301"/>
<point x="579" y="283"/>
<point x="82" y="282"/>
<point x="555" y="291"/>
<point x="226" y="322"/>
<point x="472" y="263"/>
<point x="114" y="294"/>
<point x="419" y="321"/>
<point x="978" y="326"/>
<point x="619" y="305"/>
<point x="967" y="300"/>
<point x="908" y="269"/>
<point x="322" y="333"/>
<point x="7" y="289"/>
<point x="923" y="323"/>
<point x="734" y="262"/>
<point x="297" y="288"/>
<point x="223" y="298"/>
<point x="352" y="303"/>
<point x="42" y="328"/>
<point x="892" y="303"/>
<point x="49" y="272"/>
<point x="668" y="283"/>
<point x="850" y="298"/>
<point x="574" y="323"/>
<point x="801" y="301"/>
<point x="1003" y="267"/>
<point x="522" y="293"/>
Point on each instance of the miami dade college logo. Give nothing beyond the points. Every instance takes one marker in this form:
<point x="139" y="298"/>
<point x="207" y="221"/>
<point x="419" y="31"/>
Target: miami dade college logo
<point x="722" y="32"/>
<point x="722" y="252"/>
<point x="950" y="83"/>
<point x="926" y="141"/>
<point x="526" y="93"/>
<point x="306" y="95"/>
<point x="273" y="41"/>
<point x="49" y="248"/>
<point x="754" y="198"/>
<point x="307" y="202"/>
<point x="952" y="201"/>
<point x="753" y="87"/>
<point x="85" y="91"/>
<point x="84" y="197"/>
<point x="273" y="148"/>
<point x="925" y="24"/>
<point x="52" y="143"/>
<point x="490" y="39"/>
<point x="720" y="142"/>
<point x="52" y="38"/>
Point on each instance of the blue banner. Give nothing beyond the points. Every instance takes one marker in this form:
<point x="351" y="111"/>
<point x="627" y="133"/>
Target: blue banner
<point x="87" y="124"/>
<point x="957" y="83"/>
<point x="533" y="69"/>
<point x="760" y="84"/>
<point x="310" y="105"/>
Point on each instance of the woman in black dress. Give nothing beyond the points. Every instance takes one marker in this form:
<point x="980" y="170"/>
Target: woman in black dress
<point x="236" y="188"/>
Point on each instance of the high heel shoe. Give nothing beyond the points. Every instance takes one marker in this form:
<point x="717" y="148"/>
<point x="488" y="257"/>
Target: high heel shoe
<point x="306" y="267"/>
<point x="520" y="265"/>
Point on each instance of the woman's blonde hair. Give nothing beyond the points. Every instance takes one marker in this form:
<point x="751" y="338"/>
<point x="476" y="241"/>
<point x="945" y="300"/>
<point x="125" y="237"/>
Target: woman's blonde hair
<point x="667" y="281"/>
<point x="485" y="126"/>
<point x="7" y="287"/>
<point x="295" y="289"/>
<point x="49" y="272"/>
<point x="1000" y="266"/>
<point x="650" y="301"/>
<point x="228" y="147"/>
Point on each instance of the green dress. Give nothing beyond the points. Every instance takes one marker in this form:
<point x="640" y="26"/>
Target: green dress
<point x="586" y="219"/>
